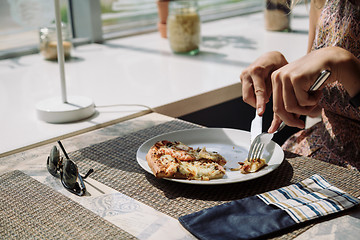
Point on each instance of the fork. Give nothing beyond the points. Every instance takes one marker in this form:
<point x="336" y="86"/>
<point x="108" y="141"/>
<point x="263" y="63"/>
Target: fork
<point x="261" y="140"/>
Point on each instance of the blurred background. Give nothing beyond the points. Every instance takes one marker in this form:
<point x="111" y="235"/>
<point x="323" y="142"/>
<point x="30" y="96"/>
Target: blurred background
<point x="20" y="20"/>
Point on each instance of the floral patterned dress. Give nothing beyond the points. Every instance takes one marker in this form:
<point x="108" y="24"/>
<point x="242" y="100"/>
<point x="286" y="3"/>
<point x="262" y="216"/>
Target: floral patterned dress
<point x="336" y="139"/>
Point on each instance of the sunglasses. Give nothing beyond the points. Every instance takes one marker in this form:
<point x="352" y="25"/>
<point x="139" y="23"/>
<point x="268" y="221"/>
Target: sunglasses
<point x="69" y="173"/>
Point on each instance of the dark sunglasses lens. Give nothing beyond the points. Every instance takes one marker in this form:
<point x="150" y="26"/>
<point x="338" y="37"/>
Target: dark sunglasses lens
<point x="70" y="172"/>
<point x="69" y="177"/>
<point x="53" y="161"/>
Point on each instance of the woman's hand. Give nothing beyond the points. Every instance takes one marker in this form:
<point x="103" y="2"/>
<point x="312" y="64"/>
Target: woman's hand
<point x="291" y="83"/>
<point x="256" y="80"/>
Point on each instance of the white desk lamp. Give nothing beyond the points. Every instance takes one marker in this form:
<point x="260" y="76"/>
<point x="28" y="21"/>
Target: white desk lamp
<point x="64" y="109"/>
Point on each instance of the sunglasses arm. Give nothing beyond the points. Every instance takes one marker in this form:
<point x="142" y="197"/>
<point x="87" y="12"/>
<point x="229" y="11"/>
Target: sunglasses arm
<point x="88" y="173"/>
<point x="82" y="185"/>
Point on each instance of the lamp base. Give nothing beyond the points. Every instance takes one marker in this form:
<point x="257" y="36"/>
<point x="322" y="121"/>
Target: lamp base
<point x="54" y="110"/>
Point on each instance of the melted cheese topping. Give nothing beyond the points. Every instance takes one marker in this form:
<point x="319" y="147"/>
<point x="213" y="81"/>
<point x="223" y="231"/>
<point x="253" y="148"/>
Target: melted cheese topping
<point x="170" y="163"/>
<point x="196" y="170"/>
<point x="184" y="147"/>
<point x="199" y="170"/>
<point x="179" y="160"/>
<point x="253" y="165"/>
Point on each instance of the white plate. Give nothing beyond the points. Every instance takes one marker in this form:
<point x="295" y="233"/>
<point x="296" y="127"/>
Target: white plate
<point x="232" y="144"/>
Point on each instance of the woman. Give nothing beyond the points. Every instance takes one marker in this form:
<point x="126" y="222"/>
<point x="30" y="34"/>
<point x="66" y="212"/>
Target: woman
<point x="334" y="44"/>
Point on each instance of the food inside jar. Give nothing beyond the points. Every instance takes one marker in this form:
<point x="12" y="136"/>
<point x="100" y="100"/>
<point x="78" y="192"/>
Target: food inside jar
<point x="49" y="50"/>
<point x="184" y="31"/>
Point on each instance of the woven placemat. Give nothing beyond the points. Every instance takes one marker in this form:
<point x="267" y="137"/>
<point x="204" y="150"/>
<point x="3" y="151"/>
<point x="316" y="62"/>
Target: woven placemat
<point x="32" y="210"/>
<point x="115" y="165"/>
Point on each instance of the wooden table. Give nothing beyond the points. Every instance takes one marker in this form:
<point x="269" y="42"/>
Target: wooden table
<point x="124" y="199"/>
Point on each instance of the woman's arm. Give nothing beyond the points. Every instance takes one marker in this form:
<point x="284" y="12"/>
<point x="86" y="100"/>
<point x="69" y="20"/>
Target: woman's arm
<point x="343" y="64"/>
<point x="345" y="68"/>
<point x="314" y="15"/>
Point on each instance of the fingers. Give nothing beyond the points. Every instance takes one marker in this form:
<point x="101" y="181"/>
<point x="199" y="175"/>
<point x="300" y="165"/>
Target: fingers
<point x="256" y="80"/>
<point x="301" y="86"/>
<point x="260" y="93"/>
<point x="289" y="83"/>
<point x="255" y="88"/>
<point x="248" y="93"/>
<point x="289" y="117"/>
<point x="294" y="92"/>
<point x="274" y="124"/>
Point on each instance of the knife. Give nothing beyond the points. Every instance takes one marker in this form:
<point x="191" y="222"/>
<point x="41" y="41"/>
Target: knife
<point x="256" y="127"/>
<point x="256" y="124"/>
<point x="324" y="75"/>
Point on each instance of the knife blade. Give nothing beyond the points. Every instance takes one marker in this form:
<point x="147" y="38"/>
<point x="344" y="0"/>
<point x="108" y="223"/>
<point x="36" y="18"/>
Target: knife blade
<point x="256" y="127"/>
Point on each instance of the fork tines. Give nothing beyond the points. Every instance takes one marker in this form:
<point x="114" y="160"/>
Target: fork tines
<point x="256" y="151"/>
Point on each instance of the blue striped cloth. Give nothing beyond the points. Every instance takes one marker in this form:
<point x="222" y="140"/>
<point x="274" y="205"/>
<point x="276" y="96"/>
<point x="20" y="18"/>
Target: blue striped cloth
<point x="309" y="199"/>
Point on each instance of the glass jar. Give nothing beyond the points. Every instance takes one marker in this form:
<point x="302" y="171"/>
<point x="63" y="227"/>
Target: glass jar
<point x="48" y="42"/>
<point x="183" y="27"/>
<point x="277" y="15"/>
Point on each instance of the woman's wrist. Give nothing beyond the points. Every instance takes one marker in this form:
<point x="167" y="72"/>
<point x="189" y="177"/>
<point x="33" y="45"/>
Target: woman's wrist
<point x="278" y="59"/>
<point x="345" y="67"/>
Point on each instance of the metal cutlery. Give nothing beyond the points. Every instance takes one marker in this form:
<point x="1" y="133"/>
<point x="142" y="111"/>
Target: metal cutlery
<point x="256" y="127"/>
<point x="257" y="146"/>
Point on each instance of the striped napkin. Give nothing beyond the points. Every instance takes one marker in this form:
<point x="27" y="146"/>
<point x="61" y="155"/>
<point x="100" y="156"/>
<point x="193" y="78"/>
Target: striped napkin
<point x="309" y="199"/>
<point x="261" y="215"/>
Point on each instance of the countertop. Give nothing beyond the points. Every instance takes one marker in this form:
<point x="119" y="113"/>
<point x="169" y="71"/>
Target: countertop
<point x="132" y="76"/>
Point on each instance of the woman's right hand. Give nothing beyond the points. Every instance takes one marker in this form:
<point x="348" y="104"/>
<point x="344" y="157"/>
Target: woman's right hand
<point x="256" y="80"/>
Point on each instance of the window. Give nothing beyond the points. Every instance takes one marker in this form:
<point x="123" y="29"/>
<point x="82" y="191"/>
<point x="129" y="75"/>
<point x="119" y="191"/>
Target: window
<point x="121" y="17"/>
<point x="125" y="15"/>
<point x="20" y="21"/>
<point x="94" y="20"/>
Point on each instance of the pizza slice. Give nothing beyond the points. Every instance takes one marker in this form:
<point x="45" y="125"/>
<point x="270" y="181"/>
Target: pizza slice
<point x="169" y="159"/>
<point x="253" y="165"/>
